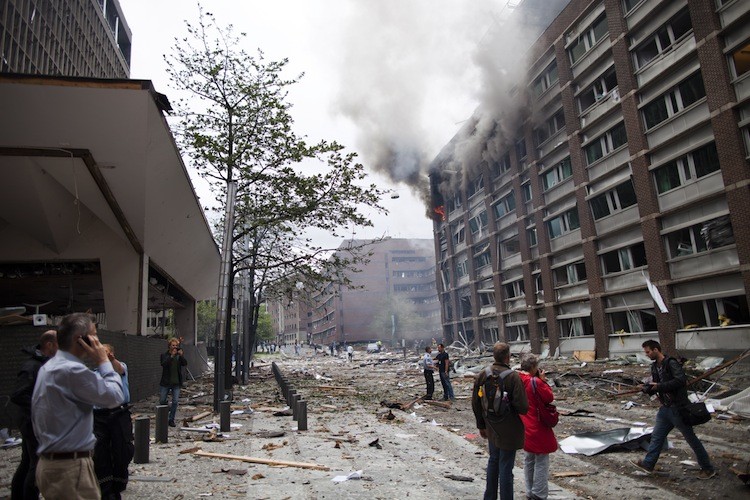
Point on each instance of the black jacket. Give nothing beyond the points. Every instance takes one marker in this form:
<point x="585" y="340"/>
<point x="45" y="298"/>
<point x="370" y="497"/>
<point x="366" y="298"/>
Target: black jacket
<point x="26" y="379"/>
<point x="166" y="361"/>
<point x="672" y="384"/>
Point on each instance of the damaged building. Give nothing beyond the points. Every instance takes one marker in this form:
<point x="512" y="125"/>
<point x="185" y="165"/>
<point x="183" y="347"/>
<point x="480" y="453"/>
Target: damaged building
<point x="392" y="297"/>
<point x="615" y="211"/>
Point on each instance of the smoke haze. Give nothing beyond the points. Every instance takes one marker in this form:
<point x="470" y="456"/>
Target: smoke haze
<point x="415" y="73"/>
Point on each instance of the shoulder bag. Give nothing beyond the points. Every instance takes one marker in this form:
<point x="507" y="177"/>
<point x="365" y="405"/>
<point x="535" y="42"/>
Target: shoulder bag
<point x="546" y="413"/>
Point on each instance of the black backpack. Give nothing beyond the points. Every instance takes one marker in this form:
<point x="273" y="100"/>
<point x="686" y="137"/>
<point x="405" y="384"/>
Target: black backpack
<point x="496" y="402"/>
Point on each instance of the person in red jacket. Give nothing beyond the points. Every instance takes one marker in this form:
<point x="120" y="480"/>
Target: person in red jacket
<point x="540" y="439"/>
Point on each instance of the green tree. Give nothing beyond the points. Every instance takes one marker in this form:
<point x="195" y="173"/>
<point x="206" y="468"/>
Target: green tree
<point x="237" y="127"/>
<point x="265" y="328"/>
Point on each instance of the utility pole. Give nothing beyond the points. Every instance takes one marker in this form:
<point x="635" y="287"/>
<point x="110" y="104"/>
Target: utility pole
<point x="222" y="309"/>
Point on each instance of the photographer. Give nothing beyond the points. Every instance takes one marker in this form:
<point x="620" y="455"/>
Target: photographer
<point x="172" y="362"/>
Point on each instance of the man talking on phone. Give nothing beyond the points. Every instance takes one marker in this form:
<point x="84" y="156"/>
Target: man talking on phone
<point x="65" y="394"/>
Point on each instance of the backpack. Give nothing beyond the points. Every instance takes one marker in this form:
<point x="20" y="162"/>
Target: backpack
<point x="495" y="407"/>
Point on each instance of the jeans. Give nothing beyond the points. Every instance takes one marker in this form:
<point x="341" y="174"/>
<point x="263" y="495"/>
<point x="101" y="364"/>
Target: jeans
<point x="445" y="381"/>
<point x="428" y="377"/>
<point x="23" y="485"/>
<point x="667" y="418"/>
<point x="163" y="392"/>
<point x="536" y="472"/>
<point x="500" y="472"/>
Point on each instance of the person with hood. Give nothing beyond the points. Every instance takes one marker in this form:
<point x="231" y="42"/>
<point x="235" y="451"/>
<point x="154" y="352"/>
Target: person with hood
<point x="23" y="485"/>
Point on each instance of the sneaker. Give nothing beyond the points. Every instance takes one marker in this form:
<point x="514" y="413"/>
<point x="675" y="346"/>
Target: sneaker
<point x="640" y="465"/>
<point x="706" y="473"/>
<point x="171" y="423"/>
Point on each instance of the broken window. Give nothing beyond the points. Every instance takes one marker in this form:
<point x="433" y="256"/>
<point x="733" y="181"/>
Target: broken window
<point x="641" y="320"/>
<point x="590" y="37"/>
<point x="454" y="203"/>
<point x="475" y="186"/>
<point x="466" y="307"/>
<point x="517" y="333"/>
<point x="510" y="247"/>
<point x="478" y="222"/>
<point x="674" y="101"/>
<point x="462" y="268"/>
<point x="545" y="81"/>
<point x="483" y="259"/>
<point x="458" y="233"/>
<point x="557" y="174"/>
<point x="614" y="200"/>
<point x="514" y="289"/>
<point x="552" y="126"/>
<point x="531" y="234"/>
<point x="521" y="147"/>
<point x="606" y="143"/>
<point x="506" y="205"/>
<point x="576" y="327"/>
<point x="501" y="166"/>
<point x="598" y="90"/>
<point x="687" y="169"/>
<point x="698" y="238"/>
<point x="570" y="274"/>
<point x="563" y="223"/>
<point x="703" y="313"/>
<point x="664" y="39"/>
<point x="624" y="259"/>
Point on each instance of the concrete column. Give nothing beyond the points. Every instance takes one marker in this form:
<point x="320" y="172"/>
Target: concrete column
<point x="185" y="321"/>
<point x="122" y="281"/>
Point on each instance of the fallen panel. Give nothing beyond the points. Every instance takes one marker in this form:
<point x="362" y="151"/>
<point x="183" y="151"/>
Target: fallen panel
<point x="591" y="443"/>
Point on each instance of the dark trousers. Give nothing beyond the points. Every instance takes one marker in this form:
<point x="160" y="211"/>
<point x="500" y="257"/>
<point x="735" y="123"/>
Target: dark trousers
<point x="23" y="486"/>
<point x="114" y="450"/>
<point x="430" y="383"/>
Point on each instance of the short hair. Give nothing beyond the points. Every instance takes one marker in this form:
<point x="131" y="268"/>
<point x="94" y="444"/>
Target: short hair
<point x="652" y="344"/>
<point x="174" y="340"/>
<point x="501" y="351"/>
<point x="48" y="336"/>
<point x="427" y="349"/>
<point x="529" y="362"/>
<point x="72" y="324"/>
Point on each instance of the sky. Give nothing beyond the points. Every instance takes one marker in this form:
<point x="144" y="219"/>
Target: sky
<point x="393" y="80"/>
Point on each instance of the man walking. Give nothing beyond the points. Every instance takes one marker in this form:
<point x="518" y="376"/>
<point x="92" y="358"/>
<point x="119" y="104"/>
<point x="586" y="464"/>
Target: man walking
<point x="24" y="482"/>
<point x="504" y="434"/>
<point x="429" y="369"/>
<point x="64" y="397"/>
<point x="172" y="362"/>
<point x="113" y="428"/>
<point x="669" y="383"/>
<point x="443" y="363"/>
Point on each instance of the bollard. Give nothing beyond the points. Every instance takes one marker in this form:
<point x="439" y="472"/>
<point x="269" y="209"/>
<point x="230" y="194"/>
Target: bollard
<point x="290" y="397"/>
<point x="161" y="434"/>
<point x="295" y="399"/>
<point x="302" y="415"/>
<point x="142" y="430"/>
<point x="224" y="411"/>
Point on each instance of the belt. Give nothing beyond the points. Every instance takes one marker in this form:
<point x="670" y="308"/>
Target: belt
<point x="67" y="455"/>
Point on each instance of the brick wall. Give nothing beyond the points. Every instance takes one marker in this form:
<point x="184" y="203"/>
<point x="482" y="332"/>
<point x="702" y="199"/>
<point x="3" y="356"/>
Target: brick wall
<point x="140" y="353"/>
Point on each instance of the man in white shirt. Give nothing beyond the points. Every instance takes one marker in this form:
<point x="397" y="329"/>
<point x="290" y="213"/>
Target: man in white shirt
<point x="429" y="369"/>
<point x="65" y="394"/>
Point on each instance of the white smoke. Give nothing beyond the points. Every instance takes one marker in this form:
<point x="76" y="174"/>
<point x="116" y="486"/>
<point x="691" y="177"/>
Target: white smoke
<point x="416" y="72"/>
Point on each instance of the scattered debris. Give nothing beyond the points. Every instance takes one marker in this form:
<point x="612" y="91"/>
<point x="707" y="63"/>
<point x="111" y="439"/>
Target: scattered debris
<point x="352" y="475"/>
<point x="591" y="443"/>
<point x="376" y="444"/>
<point x="456" y="477"/>
<point x="571" y="473"/>
<point x="265" y="461"/>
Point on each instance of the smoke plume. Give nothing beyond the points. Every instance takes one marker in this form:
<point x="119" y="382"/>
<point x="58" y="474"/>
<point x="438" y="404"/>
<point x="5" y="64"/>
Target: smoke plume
<point x="425" y="73"/>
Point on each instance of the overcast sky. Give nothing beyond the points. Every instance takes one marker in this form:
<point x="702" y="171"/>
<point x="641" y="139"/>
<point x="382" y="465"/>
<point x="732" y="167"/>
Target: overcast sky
<point x="378" y="74"/>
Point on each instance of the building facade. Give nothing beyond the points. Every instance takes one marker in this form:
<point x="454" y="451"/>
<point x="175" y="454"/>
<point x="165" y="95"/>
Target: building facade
<point x="49" y="37"/>
<point x="289" y="320"/>
<point x="630" y="170"/>
<point x="392" y="298"/>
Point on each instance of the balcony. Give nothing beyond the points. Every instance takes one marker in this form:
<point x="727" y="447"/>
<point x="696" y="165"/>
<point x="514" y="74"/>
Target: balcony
<point x="623" y="280"/>
<point x="666" y="60"/>
<point x="559" y="139"/>
<point x="707" y="185"/>
<point x="590" y="57"/>
<point x="677" y="124"/>
<point x="558" y="191"/>
<point x="733" y="11"/>
<point x="617" y="220"/>
<point x="566" y="240"/>
<point x="704" y="263"/>
<point x="608" y="163"/>
<point x="715" y="339"/>
<point x="601" y="108"/>
<point x="572" y="291"/>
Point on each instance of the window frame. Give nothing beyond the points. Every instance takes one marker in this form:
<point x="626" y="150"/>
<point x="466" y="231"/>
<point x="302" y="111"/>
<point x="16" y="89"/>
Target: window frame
<point x="672" y="102"/>
<point x="613" y="198"/>
<point x="606" y="142"/>
<point x="508" y="202"/>
<point x="568" y="224"/>
<point x="685" y="169"/>
<point x="588" y="39"/>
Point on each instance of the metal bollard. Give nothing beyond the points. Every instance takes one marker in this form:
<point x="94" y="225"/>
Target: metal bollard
<point x="295" y="410"/>
<point x="224" y="411"/>
<point x="142" y="430"/>
<point x="162" y="415"/>
<point x="290" y="397"/>
<point x="301" y="415"/>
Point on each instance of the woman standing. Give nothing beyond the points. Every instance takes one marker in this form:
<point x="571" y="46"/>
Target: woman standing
<point x="540" y="439"/>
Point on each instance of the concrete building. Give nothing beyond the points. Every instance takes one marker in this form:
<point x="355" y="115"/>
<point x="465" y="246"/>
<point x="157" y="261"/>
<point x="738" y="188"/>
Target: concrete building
<point x="48" y="37"/>
<point x="289" y="319"/>
<point x="629" y="169"/>
<point x="392" y="297"/>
